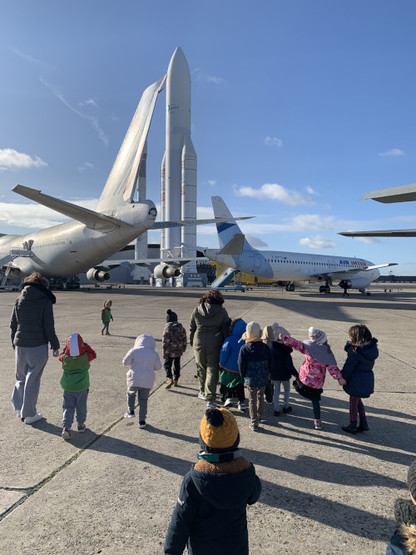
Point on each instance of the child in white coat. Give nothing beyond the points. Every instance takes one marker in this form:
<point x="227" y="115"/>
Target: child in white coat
<point x="143" y="361"/>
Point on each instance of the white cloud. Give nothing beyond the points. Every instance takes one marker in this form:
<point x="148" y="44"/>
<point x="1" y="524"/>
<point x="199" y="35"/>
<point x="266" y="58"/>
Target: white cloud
<point x="27" y="57"/>
<point x="89" y="102"/>
<point x="212" y="182"/>
<point x="311" y="222"/>
<point x="369" y="240"/>
<point x="317" y="242"/>
<point x="201" y="76"/>
<point x="10" y="159"/>
<point x="85" y="166"/>
<point x="392" y="152"/>
<point x="274" y="191"/>
<point x="311" y="191"/>
<point x="93" y="121"/>
<point x="273" y="141"/>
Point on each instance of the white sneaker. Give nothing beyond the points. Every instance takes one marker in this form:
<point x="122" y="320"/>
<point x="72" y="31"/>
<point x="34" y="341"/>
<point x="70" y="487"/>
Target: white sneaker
<point x="211" y="405"/>
<point x="201" y="396"/>
<point x="241" y="407"/>
<point x="33" y="419"/>
<point x="228" y="403"/>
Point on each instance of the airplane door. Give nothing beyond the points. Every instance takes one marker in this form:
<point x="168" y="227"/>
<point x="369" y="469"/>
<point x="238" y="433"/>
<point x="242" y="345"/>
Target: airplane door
<point x="255" y="262"/>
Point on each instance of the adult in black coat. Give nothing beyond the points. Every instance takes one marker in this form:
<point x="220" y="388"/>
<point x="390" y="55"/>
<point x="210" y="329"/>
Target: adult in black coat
<point x="32" y="328"/>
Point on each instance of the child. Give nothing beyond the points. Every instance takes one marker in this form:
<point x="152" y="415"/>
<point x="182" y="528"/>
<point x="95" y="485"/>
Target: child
<point x="358" y="372"/>
<point x="268" y="338"/>
<point x="403" y="540"/>
<point x="173" y="346"/>
<point x="231" y="381"/>
<point x="281" y="370"/>
<point x="143" y="361"/>
<point x="318" y="359"/>
<point x="106" y="317"/>
<point x="254" y="365"/>
<point x="75" y="382"/>
<point x="210" y="515"/>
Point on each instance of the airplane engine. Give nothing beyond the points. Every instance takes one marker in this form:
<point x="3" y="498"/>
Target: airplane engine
<point x="166" y="271"/>
<point x="358" y="283"/>
<point x="100" y="273"/>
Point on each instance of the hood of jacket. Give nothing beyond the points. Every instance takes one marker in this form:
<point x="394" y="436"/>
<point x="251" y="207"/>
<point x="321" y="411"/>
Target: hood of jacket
<point x="367" y="350"/>
<point x="209" y="310"/>
<point x="225" y="491"/>
<point x="238" y="327"/>
<point x="35" y="291"/>
<point x="145" y="341"/>
<point x="74" y="345"/>
<point x="405" y="514"/>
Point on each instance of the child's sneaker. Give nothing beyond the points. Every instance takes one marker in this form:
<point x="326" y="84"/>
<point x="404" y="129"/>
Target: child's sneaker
<point x="276" y="413"/>
<point x="317" y="424"/>
<point x="201" y="396"/>
<point x="66" y="433"/>
<point x="253" y="427"/>
<point x="129" y="414"/>
<point x="287" y="409"/>
<point x="241" y="407"/>
<point x="169" y="383"/>
<point x="82" y="428"/>
<point x="176" y="383"/>
<point x="142" y="424"/>
<point x="228" y="403"/>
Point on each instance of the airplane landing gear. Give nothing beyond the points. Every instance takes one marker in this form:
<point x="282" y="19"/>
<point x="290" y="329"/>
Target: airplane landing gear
<point x="325" y="288"/>
<point x="290" y="287"/>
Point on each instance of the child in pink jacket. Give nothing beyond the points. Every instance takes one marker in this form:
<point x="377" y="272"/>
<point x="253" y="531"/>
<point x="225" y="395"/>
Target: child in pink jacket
<point x="318" y="359"/>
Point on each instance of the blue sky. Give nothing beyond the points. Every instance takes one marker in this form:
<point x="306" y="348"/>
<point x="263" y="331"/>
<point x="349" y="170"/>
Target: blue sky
<point x="298" y="108"/>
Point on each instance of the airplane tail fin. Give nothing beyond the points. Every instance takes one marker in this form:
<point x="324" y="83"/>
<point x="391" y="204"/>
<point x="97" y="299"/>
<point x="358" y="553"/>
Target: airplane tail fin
<point x="121" y="182"/>
<point x="226" y="225"/>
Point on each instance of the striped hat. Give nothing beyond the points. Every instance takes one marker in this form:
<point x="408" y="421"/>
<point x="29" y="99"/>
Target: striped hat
<point x="317" y="336"/>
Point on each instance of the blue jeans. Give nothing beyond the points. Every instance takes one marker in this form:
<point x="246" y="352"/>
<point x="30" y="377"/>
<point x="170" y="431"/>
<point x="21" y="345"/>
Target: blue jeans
<point x="74" y="401"/>
<point x="276" y="394"/>
<point x="30" y="362"/>
<point x="142" y="397"/>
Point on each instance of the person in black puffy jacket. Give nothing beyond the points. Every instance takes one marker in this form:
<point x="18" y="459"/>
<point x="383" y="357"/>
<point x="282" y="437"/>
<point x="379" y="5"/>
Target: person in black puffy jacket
<point x="358" y="372"/>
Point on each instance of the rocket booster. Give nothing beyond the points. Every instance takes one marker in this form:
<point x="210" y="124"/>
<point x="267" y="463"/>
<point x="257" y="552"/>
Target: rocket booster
<point x="179" y="164"/>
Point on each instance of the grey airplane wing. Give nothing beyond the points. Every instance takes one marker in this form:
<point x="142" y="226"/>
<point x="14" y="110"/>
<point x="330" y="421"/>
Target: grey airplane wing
<point x="403" y="193"/>
<point x="93" y="220"/>
<point x="381" y="233"/>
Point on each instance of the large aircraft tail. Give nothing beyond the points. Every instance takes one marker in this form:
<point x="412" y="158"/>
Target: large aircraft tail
<point x="226" y="225"/>
<point x="121" y="182"/>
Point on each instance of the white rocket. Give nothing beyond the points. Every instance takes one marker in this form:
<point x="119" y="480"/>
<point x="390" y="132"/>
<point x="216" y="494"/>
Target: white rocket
<point x="179" y="165"/>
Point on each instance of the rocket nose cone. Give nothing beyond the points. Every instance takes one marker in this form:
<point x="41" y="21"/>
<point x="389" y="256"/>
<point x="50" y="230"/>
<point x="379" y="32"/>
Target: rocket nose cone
<point x="178" y="63"/>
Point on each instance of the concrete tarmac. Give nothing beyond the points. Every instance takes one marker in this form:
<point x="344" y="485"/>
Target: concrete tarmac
<point x="113" y="489"/>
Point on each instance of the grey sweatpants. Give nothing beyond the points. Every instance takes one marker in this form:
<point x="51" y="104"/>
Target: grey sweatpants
<point x="30" y="362"/>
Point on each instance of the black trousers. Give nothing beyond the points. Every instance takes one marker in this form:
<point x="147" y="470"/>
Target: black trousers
<point x="176" y="367"/>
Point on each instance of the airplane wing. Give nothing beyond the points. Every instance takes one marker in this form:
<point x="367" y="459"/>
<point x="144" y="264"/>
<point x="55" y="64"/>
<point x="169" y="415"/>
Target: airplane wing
<point x="164" y="225"/>
<point x="93" y="220"/>
<point x="403" y="193"/>
<point x="381" y="233"/>
<point x="335" y="273"/>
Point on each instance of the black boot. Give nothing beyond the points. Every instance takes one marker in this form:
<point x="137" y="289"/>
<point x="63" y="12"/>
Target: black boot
<point x="363" y="427"/>
<point x="351" y="428"/>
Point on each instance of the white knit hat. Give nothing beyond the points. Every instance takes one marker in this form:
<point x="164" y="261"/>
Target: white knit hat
<point x="253" y="331"/>
<point x="279" y="329"/>
<point x="317" y="336"/>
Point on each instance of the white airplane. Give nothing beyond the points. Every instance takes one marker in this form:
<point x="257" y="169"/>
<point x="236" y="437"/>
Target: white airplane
<point x="403" y="193"/>
<point x="82" y="244"/>
<point x="286" y="267"/>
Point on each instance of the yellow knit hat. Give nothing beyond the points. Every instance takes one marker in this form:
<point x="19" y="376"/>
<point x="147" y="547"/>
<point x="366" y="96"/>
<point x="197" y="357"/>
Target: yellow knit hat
<point x="218" y="430"/>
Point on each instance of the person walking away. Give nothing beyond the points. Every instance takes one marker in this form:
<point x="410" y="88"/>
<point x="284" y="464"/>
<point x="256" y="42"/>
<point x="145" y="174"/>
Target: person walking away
<point x="254" y="363"/>
<point x="210" y="515"/>
<point x="106" y="317"/>
<point x="358" y="372"/>
<point x="282" y="369"/>
<point x="173" y="347"/>
<point x="209" y="326"/>
<point x="318" y="359"/>
<point x="231" y="381"/>
<point x="32" y="329"/>
<point x="403" y="541"/>
<point x="143" y="361"/>
<point x="75" y="382"/>
<point x="268" y="338"/>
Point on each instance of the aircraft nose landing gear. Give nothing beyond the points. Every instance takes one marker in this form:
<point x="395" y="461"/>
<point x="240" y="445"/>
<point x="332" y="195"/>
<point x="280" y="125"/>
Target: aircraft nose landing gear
<point x="324" y="288"/>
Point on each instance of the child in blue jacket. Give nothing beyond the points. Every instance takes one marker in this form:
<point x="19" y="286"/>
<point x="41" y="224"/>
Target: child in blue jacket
<point x="358" y="372"/>
<point x="232" y="384"/>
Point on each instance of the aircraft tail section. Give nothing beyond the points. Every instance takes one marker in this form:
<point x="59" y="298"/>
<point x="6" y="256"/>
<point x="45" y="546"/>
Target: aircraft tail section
<point x="121" y="182"/>
<point x="226" y="225"/>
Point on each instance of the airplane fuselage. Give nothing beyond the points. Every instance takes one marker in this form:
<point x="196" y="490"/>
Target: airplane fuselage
<point x="292" y="266"/>
<point x="72" y="247"/>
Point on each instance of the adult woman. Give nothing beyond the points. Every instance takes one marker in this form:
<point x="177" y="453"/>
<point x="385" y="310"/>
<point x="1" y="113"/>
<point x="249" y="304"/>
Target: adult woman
<point x="33" y="327"/>
<point x="209" y="326"/>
